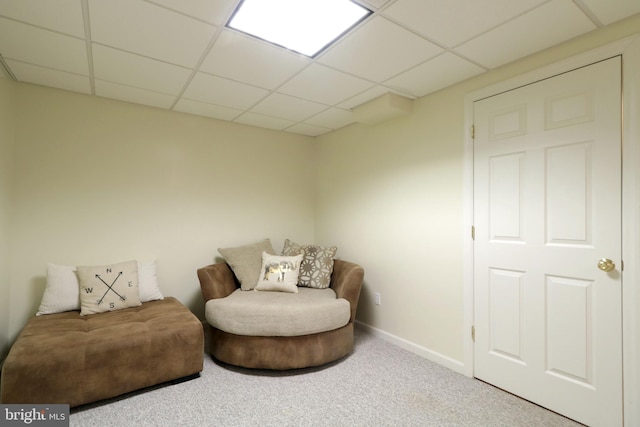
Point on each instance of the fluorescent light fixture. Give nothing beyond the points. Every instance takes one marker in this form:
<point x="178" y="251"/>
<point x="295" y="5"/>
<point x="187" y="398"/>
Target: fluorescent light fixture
<point x="304" y="26"/>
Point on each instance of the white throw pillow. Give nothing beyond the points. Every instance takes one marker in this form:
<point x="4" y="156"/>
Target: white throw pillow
<point x="279" y="273"/>
<point x="148" y="281"/>
<point x="62" y="292"/>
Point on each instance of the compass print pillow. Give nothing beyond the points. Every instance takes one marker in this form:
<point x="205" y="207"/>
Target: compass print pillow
<point x="108" y="287"/>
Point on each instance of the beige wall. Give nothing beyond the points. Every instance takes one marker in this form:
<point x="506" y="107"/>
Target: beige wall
<point x="6" y="162"/>
<point x="393" y="204"/>
<point x="100" y="181"/>
<point x="391" y="195"/>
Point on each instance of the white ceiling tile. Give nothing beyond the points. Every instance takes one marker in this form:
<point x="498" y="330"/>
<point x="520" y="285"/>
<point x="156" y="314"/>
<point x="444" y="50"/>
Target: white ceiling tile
<point x="543" y="27"/>
<point x="135" y="70"/>
<point x="209" y="110"/>
<point x="146" y="51"/>
<point x="26" y="43"/>
<point x="307" y="129"/>
<point x="132" y="94"/>
<point x="608" y="11"/>
<point x="322" y="84"/>
<point x="223" y="92"/>
<point x="214" y="12"/>
<point x="363" y="97"/>
<point x="374" y="3"/>
<point x="60" y="15"/>
<point x="246" y="59"/>
<point x="49" y="77"/>
<point x="149" y="30"/>
<point x="333" y="118"/>
<point x="379" y="50"/>
<point x="259" y="120"/>
<point x="456" y="21"/>
<point x="287" y="107"/>
<point x="437" y="73"/>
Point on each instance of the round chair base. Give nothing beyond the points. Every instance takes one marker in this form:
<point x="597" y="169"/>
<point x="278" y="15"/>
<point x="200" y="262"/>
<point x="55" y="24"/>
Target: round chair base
<point x="280" y="353"/>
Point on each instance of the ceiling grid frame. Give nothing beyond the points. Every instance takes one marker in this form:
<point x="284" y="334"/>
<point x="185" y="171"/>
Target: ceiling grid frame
<point x="345" y="62"/>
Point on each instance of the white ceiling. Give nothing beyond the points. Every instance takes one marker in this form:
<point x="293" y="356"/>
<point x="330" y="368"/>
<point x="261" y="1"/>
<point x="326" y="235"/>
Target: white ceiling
<point x="178" y="55"/>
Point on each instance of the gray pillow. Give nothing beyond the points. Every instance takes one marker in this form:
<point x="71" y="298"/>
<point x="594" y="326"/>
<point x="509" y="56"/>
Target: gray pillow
<point x="246" y="262"/>
<point x="317" y="263"/>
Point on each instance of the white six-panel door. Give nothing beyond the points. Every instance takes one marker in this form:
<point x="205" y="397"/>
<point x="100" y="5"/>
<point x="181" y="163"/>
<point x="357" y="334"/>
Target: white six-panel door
<point x="547" y="209"/>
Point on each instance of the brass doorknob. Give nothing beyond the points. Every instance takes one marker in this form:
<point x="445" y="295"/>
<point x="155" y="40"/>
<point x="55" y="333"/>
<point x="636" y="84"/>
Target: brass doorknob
<point x="605" y="264"/>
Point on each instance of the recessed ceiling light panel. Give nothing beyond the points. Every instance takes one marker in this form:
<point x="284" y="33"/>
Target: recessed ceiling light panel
<point x="304" y="26"/>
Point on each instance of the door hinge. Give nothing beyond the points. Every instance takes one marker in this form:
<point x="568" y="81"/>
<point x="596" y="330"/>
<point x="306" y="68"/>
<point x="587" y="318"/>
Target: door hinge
<point x="473" y="333"/>
<point x="473" y="232"/>
<point x="473" y="131"/>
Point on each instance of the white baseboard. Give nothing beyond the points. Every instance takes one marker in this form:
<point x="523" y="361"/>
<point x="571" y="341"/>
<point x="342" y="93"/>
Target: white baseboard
<point x="454" y="365"/>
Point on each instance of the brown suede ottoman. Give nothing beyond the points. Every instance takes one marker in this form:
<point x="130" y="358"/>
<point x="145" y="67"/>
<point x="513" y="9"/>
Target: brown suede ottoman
<point x="73" y="359"/>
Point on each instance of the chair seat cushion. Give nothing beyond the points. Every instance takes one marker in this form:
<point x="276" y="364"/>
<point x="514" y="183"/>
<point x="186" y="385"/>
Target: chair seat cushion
<point x="252" y="313"/>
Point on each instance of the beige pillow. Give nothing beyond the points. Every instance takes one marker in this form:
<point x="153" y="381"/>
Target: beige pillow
<point x="108" y="287"/>
<point x="245" y="261"/>
<point x="317" y="263"/>
<point x="279" y="273"/>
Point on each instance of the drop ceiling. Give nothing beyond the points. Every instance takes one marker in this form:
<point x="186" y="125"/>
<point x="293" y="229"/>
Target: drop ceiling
<point x="178" y="54"/>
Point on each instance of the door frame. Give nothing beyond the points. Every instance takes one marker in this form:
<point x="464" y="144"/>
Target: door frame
<point x="629" y="49"/>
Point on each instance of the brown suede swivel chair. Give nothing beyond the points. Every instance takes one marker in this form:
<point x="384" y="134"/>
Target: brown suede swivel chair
<point x="283" y="352"/>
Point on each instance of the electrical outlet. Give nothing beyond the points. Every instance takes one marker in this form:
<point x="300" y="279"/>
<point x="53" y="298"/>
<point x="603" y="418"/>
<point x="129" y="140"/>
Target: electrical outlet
<point x="378" y="299"/>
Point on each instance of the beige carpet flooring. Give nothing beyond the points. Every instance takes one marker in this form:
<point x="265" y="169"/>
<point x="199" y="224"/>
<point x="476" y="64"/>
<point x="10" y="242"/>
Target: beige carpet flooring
<point x="379" y="384"/>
